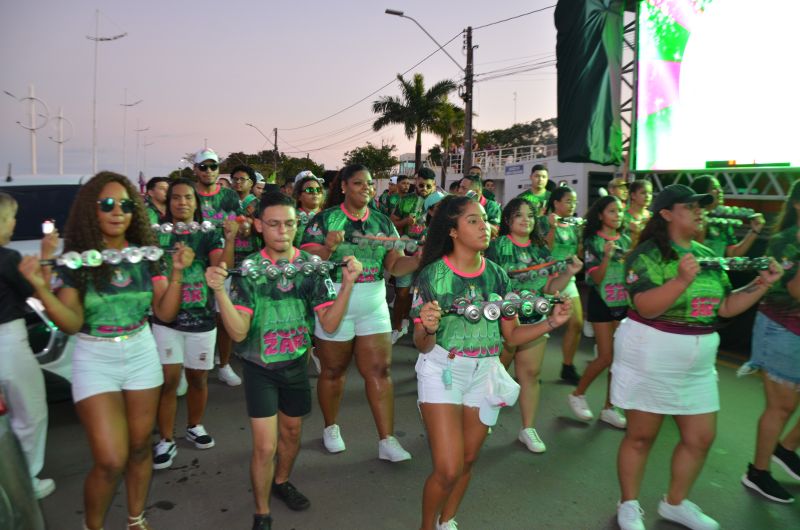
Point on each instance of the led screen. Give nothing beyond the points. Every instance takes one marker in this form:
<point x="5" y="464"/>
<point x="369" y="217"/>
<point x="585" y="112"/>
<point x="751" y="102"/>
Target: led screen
<point x="717" y="84"/>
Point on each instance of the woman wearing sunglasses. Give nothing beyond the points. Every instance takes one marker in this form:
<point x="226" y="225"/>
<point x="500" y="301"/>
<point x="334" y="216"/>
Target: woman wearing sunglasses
<point x="116" y="374"/>
<point x="309" y="194"/>
<point x="365" y="330"/>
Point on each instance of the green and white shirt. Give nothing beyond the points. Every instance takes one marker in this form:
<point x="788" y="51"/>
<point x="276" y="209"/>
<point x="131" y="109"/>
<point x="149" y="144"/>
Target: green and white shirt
<point x="565" y="239"/>
<point x="217" y="205"/>
<point x="537" y="202"/>
<point x="778" y="304"/>
<point x="412" y="204"/>
<point x="337" y="218"/>
<point x="512" y="255"/>
<point x="719" y="238"/>
<point x="493" y="210"/>
<point x="612" y="288"/>
<point x="281" y="313"/>
<point x="695" y="310"/>
<point x="197" y="311"/>
<point x="442" y="282"/>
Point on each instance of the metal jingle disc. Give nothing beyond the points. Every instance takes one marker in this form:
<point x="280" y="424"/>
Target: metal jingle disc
<point x="91" y="258"/>
<point x="112" y="256"/>
<point x="302" y="217"/>
<point x="508" y="308"/>
<point x="282" y="262"/>
<point x="71" y="260"/>
<point x="152" y="253"/>
<point x="544" y="272"/>
<point x="412" y="246"/>
<point x="181" y="228"/>
<point x="389" y="245"/>
<point x="491" y="311"/>
<point x="194" y="226"/>
<point x="314" y="259"/>
<point x="289" y="271"/>
<point x="460" y="304"/>
<point x="399" y="245"/>
<point x="308" y="268"/>
<point x="248" y="266"/>
<point x="325" y="267"/>
<point x="132" y="254"/>
<point x="207" y="226"/>
<point x="542" y="306"/>
<point x="380" y="234"/>
<point x="526" y="308"/>
<point x="155" y="227"/>
<point x="512" y="296"/>
<point x="167" y="228"/>
<point x="472" y="313"/>
<point x="526" y="295"/>
<point x="272" y="272"/>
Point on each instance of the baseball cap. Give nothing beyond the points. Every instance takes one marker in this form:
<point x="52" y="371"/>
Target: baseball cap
<point x="306" y="174"/>
<point x="259" y="177"/>
<point x="393" y="180"/>
<point x="432" y="199"/>
<point x="679" y="194"/>
<point x="503" y="392"/>
<point x="617" y="182"/>
<point x="206" y="154"/>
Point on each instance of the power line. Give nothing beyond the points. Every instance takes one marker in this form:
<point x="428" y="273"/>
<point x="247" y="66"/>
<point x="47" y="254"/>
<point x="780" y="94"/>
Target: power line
<point x="516" y="72"/>
<point x="514" y="17"/>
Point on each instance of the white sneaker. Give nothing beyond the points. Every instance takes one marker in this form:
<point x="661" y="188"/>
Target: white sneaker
<point x="164" y="454"/>
<point x="390" y="449"/>
<point x="588" y="330"/>
<point x="531" y="439"/>
<point x="199" y="437"/>
<point x="614" y="417"/>
<point x="42" y="487"/>
<point x="396" y="334"/>
<point x="580" y="408"/>
<point x="629" y="515"/>
<point x="183" y="385"/>
<point x="688" y="514"/>
<point x="447" y="525"/>
<point x="332" y="439"/>
<point x="228" y="376"/>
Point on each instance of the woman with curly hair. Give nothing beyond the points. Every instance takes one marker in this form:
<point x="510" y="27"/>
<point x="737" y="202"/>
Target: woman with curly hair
<point x="460" y="380"/>
<point x="116" y="373"/>
<point x="364" y="333"/>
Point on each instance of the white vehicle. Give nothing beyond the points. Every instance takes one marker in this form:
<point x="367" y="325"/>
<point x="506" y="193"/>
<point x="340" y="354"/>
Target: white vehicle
<point x="42" y="198"/>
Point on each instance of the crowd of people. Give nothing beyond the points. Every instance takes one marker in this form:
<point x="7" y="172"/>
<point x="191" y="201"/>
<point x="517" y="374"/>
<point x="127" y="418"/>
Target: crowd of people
<point x="285" y="277"/>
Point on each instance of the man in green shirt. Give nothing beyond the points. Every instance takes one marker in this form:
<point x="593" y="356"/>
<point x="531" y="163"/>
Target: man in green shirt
<point x="493" y="210"/>
<point x="155" y="200"/>
<point x="538" y="195"/>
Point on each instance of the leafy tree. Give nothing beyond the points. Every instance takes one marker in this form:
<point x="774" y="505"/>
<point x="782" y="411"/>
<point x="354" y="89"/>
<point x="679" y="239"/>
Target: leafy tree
<point x="448" y="125"/>
<point x="263" y="162"/>
<point x="289" y="167"/>
<point x="415" y="109"/>
<point x="537" y="132"/>
<point x="378" y="159"/>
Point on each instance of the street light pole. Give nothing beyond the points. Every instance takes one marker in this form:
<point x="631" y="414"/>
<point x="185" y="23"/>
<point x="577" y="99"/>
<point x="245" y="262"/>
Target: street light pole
<point x="61" y="140"/>
<point x="33" y="126"/>
<point x="125" y="105"/>
<point x="138" y="130"/>
<point x="146" y="145"/>
<point x="468" y="80"/>
<point x="97" y="40"/>
<point x="274" y="144"/>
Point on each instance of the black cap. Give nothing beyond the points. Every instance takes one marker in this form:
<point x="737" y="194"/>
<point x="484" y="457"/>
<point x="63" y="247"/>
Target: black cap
<point x="679" y="194"/>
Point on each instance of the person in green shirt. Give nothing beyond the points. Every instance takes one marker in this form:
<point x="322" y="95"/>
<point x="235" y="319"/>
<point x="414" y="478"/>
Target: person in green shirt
<point x="383" y="200"/>
<point x="492" y="208"/>
<point x="310" y="195"/>
<point x="116" y="375"/>
<point x="271" y="320"/>
<point x="776" y="352"/>
<point x="156" y="199"/>
<point x="665" y="352"/>
<point x="636" y="215"/>
<point x="519" y="246"/>
<point x="538" y="195"/>
<point x="461" y="383"/>
<point x="605" y="246"/>
<point x="365" y="332"/>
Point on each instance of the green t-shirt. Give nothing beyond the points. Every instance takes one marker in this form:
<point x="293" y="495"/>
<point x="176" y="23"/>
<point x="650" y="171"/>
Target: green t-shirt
<point x="612" y="288"/>
<point x="778" y="304"/>
<point x="698" y="304"/>
<point x="565" y="240"/>
<point x="511" y="255"/>
<point x="440" y="281"/>
<point x="303" y="219"/>
<point x="412" y="204"/>
<point x="123" y="305"/>
<point x="537" y="202"/>
<point x="719" y="238"/>
<point x="493" y="210"/>
<point x="387" y="202"/>
<point x="197" y="311"/>
<point x="280" y="313"/>
<point x="217" y="205"/>
<point x="153" y="214"/>
<point x="371" y="257"/>
<point x="243" y="246"/>
<point x="627" y="219"/>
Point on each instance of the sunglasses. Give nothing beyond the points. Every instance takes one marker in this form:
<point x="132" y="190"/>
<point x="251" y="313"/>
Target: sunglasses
<point x="107" y="205"/>
<point x="207" y="167"/>
<point x="312" y="191"/>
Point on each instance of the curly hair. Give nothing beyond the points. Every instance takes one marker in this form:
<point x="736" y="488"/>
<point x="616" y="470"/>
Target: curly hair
<point x="336" y="195"/>
<point x="198" y="214"/>
<point x="82" y="231"/>
<point x="511" y="209"/>
<point x="788" y="215"/>
<point x="438" y="242"/>
<point x="300" y="185"/>
<point x="593" y="222"/>
<point x="657" y="229"/>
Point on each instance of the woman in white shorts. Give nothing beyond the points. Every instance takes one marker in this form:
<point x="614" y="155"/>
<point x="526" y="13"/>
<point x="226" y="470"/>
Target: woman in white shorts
<point x="664" y="353"/>
<point x="116" y="375"/>
<point x="188" y="341"/>
<point x="460" y="381"/>
<point x="365" y="330"/>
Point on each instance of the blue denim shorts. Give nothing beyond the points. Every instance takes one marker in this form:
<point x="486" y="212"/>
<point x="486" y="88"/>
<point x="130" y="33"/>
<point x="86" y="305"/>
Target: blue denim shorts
<point x="776" y="351"/>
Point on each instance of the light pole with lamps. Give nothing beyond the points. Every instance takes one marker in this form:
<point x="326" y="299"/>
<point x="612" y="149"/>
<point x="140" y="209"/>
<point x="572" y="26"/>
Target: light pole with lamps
<point x="61" y="140"/>
<point x="97" y="40"/>
<point x="138" y="130"/>
<point x="274" y="144"/>
<point x="125" y="105"/>
<point x="468" y="78"/>
<point x="33" y="126"/>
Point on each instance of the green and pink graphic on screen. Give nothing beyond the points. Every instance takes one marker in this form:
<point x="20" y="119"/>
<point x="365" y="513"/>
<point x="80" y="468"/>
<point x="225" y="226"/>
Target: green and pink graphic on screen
<point x="716" y="84"/>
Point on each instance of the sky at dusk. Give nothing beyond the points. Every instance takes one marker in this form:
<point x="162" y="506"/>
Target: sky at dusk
<point x="203" y="69"/>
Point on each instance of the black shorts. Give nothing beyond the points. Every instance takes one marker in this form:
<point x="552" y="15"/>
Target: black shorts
<point x="598" y="311"/>
<point x="286" y="389"/>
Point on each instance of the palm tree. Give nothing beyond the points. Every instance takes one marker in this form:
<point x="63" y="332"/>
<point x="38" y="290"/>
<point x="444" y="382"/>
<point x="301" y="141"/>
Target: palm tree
<point x="415" y="109"/>
<point x="448" y="125"/>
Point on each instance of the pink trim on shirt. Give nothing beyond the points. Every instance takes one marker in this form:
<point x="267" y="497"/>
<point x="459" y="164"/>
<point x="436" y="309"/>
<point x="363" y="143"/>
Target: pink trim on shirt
<point x="608" y="238"/>
<point x="366" y="215"/>
<point x="266" y="256"/>
<point x="323" y="304"/>
<point x="589" y="271"/>
<point x="418" y="320"/>
<point x="465" y="274"/>
<point x="219" y="187"/>
<point x="159" y="277"/>
<point x="244" y="308"/>
<point x="306" y="245"/>
<point x="215" y="250"/>
<point x="517" y="243"/>
<point x="482" y="201"/>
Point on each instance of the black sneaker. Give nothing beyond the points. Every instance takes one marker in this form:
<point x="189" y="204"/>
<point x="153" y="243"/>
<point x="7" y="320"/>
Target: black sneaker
<point x="295" y="500"/>
<point x="262" y="522"/>
<point x="788" y="460"/>
<point x="762" y="482"/>
<point x="569" y="374"/>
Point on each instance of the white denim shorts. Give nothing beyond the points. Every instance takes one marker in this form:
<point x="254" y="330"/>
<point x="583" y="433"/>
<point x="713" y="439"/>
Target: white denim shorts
<point x="367" y="313"/>
<point x="102" y="365"/>
<point x="195" y="350"/>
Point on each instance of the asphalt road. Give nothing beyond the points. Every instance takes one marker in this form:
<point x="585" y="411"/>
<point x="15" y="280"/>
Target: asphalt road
<point x="571" y="486"/>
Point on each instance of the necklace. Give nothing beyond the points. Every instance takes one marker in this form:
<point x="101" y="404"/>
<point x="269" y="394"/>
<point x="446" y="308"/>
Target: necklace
<point x="357" y="215"/>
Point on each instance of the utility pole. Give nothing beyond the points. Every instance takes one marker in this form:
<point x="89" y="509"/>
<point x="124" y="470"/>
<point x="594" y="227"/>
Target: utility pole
<point x="125" y="106"/>
<point x="60" y="140"/>
<point x="468" y="77"/>
<point x="515" y="107"/>
<point x="275" y="160"/>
